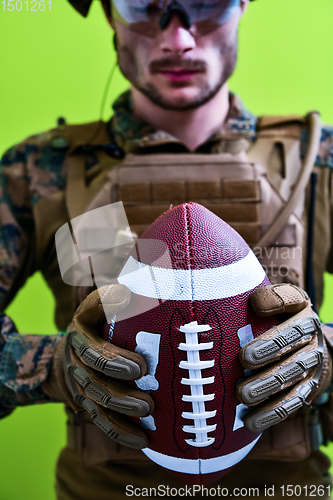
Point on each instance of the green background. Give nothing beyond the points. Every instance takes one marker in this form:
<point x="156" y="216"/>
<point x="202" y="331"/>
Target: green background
<point x="56" y="64"/>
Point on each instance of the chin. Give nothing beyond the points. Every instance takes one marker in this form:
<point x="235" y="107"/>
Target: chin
<point x="181" y="96"/>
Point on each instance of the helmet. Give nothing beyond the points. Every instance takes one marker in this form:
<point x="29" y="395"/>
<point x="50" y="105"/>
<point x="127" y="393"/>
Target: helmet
<point x="82" y="6"/>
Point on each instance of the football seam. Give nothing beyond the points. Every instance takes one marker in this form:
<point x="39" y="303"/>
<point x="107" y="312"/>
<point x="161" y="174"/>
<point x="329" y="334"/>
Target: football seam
<point x="190" y="250"/>
<point x="191" y="257"/>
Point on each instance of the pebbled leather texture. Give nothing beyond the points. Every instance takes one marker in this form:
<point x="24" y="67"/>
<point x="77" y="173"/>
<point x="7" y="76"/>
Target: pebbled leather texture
<point x="211" y="278"/>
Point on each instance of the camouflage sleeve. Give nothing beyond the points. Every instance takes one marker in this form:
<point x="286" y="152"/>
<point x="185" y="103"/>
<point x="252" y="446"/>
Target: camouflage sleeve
<point x="17" y="226"/>
<point x="24" y="359"/>
<point x="325" y="153"/>
<point x="24" y="366"/>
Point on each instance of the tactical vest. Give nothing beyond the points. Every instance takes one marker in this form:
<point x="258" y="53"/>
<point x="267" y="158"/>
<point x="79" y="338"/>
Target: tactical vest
<point x="259" y="189"/>
<point x="238" y="187"/>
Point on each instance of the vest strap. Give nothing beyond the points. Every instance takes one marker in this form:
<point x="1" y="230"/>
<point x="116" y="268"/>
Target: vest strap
<point x="79" y="192"/>
<point x="301" y="184"/>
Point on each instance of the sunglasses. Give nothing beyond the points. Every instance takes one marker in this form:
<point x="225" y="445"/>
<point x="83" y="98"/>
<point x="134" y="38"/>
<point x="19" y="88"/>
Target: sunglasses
<point x="149" y="17"/>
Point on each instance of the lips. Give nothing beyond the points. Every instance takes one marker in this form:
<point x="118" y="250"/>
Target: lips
<point x="178" y="75"/>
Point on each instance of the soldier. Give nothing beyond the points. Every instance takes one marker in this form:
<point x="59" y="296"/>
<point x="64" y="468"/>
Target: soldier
<point x="276" y="191"/>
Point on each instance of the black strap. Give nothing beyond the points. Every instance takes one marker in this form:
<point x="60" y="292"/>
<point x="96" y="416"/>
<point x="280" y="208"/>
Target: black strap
<point x="310" y="285"/>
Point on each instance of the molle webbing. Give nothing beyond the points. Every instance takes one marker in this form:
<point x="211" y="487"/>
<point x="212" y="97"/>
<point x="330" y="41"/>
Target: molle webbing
<point x="225" y="184"/>
<point x="145" y="202"/>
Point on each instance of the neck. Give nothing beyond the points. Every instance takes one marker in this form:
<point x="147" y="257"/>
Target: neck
<point x="192" y="127"/>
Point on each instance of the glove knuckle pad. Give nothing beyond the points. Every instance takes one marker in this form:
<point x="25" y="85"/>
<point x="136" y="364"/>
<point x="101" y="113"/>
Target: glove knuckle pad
<point x="262" y="351"/>
<point x="261" y="388"/>
<point x="119" y="367"/>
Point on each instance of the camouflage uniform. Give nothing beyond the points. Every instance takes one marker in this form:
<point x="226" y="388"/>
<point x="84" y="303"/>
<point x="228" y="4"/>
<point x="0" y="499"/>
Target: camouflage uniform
<point x="33" y="179"/>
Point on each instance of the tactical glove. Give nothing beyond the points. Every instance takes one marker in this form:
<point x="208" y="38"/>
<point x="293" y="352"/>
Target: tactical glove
<point x="87" y="371"/>
<point x="291" y="361"/>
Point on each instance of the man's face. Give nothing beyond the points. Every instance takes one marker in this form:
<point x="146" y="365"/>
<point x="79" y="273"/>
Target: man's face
<point x="177" y="69"/>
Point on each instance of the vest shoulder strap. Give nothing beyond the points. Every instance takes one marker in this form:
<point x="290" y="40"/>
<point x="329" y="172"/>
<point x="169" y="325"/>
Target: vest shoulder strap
<point x="276" y="146"/>
<point x="281" y="126"/>
<point x="72" y="136"/>
<point x="312" y="120"/>
<point x="269" y="121"/>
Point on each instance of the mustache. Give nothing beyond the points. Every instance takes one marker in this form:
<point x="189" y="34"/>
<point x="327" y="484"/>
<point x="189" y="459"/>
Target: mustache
<point x="186" y="64"/>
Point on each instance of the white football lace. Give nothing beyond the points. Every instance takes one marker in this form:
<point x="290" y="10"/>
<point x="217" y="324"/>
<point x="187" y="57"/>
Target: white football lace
<point x="194" y="365"/>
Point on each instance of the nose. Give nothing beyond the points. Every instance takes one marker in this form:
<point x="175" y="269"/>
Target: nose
<point x="175" y="38"/>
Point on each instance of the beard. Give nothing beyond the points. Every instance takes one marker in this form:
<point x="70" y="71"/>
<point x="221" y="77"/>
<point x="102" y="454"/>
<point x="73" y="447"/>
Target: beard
<point x="205" y="92"/>
<point x="204" y="95"/>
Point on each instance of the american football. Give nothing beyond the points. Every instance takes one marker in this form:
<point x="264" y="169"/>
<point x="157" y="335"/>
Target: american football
<point x="191" y="276"/>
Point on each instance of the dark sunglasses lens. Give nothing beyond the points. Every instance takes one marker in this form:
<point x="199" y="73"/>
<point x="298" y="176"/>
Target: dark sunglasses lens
<point x="138" y="14"/>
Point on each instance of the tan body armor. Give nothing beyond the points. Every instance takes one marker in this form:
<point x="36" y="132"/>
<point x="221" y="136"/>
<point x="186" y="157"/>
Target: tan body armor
<point x="248" y="185"/>
<point x="238" y="187"/>
<point x="232" y="186"/>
